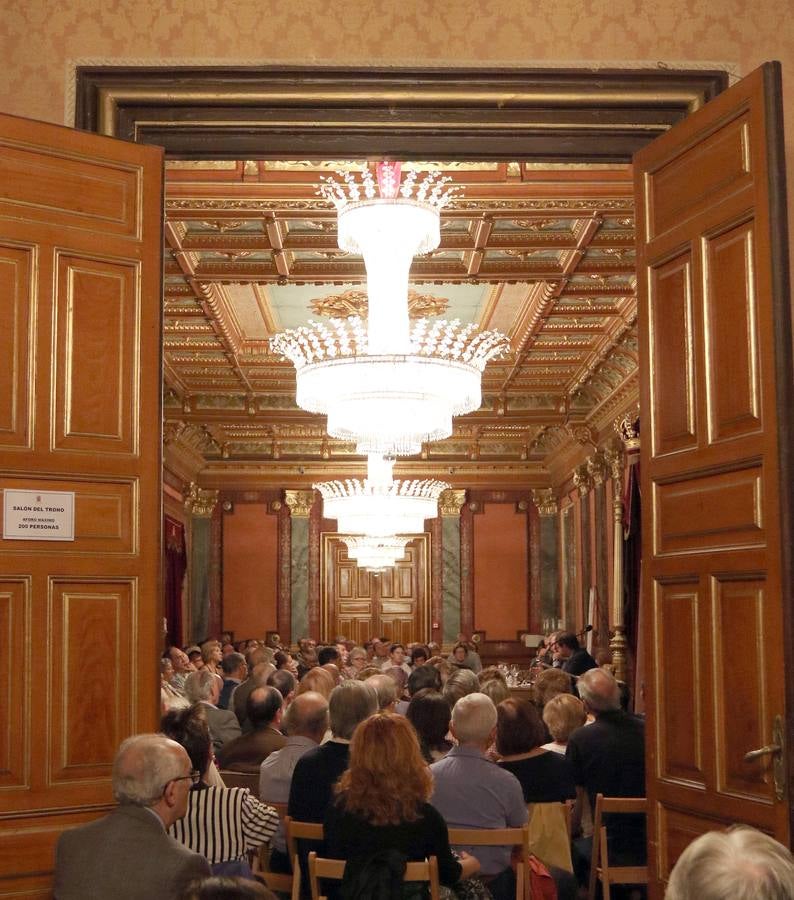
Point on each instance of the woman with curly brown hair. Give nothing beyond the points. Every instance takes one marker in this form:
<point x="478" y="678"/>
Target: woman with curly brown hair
<point x="382" y="802"/>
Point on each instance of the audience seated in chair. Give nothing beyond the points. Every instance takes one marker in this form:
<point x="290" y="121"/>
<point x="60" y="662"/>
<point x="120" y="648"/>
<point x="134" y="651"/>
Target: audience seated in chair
<point x="472" y="792"/>
<point x="305" y="723"/>
<point x="203" y="689"/>
<point x="382" y="803"/>
<point x="128" y="854"/>
<point x="246" y="752"/>
<point x="608" y="757"/>
<point x="430" y="715"/>
<point x="235" y="671"/>
<point x="221" y="823"/>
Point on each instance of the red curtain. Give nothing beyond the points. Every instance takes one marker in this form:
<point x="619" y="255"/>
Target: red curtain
<point x="175" y="567"/>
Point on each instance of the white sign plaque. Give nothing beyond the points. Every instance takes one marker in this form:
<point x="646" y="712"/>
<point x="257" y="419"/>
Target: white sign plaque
<point x="38" y="515"/>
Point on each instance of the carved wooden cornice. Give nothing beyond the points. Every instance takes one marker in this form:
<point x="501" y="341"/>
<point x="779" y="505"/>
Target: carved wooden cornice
<point x="300" y="503"/>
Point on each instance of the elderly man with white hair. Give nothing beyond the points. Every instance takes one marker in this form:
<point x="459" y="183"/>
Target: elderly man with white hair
<point x="204" y="688"/>
<point x="738" y="864"/>
<point x="473" y="792"/>
<point x="128" y="855"/>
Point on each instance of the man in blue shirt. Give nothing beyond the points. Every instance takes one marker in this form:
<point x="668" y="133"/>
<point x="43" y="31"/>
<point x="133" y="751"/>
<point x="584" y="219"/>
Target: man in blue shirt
<point x="473" y="792"/>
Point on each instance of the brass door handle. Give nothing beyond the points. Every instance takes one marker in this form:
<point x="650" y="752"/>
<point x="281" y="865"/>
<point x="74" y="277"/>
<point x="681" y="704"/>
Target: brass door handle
<point x="776" y="749"/>
<point x="762" y="751"/>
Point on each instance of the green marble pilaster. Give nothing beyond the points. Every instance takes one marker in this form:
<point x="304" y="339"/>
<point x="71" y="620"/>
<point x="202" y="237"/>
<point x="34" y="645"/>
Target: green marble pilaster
<point x="450" y="578"/>
<point x="300" y="505"/>
<point x="299" y="577"/>
<point x="199" y="577"/>
<point x="450" y="505"/>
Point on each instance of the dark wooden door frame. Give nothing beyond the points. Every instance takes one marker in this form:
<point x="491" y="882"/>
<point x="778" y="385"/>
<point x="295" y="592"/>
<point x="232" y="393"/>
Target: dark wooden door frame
<point x="544" y="115"/>
<point x="551" y="115"/>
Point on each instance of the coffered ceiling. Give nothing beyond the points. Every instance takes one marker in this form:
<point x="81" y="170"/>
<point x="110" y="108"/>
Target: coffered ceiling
<point x="543" y="253"/>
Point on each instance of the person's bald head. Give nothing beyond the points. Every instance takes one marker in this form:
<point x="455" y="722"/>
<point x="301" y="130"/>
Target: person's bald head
<point x="307" y="716"/>
<point x="143" y="766"/>
<point x="599" y="691"/>
<point x="264" y="707"/>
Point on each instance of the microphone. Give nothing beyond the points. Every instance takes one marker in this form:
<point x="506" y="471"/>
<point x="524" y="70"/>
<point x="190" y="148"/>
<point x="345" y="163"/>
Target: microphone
<point x="584" y="631"/>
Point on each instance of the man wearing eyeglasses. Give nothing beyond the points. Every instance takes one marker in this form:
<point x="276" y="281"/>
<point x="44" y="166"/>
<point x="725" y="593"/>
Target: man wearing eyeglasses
<point x="129" y="854"/>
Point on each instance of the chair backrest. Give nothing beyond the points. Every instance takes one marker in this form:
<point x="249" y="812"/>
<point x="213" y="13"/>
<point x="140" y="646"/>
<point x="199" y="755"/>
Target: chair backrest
<point x="600" y="867"/>
<point x="499" y="837"/>
<point x="280" y="808"/>
<point x="550" y="833"/>
<point x="334" y="870"/>
<point x="248" y="780"/>
<point x="295" y="830"/>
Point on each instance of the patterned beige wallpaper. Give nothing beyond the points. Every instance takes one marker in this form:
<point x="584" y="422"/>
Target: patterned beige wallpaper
<point x="41" y="39"/>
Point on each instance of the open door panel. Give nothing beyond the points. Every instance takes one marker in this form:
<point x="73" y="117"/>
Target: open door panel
<point x="716" y="395"/>
<point x="80" y="413"/>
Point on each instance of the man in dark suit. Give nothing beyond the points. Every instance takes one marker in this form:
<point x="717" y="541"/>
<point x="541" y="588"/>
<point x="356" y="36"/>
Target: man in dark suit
<point x="235" y="671"/>
<point x="247" y="752"/>
<point x="128" y="855"/>
<point x="575" y="659"/>
<point x="608" y="757"/>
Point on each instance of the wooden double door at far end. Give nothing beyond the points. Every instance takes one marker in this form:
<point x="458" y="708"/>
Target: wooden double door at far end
<point x="360" y="604"/>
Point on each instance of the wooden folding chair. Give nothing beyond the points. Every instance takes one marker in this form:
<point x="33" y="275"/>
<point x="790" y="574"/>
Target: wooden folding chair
<point x="600" y="868"/>
<point x="282" y="883"/>
<point x="295" y="831"/>
<point x="500" y="837"/>
<point x="334" y="870"/>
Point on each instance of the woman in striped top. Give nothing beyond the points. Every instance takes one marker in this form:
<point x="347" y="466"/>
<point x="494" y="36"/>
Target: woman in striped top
<point x="221" y="823"/>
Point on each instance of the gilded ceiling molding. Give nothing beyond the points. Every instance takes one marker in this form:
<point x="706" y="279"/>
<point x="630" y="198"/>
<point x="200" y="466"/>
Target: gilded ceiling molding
<point x="354" y="302"/>
<point x="545" y="501"/>
<point x="199" y="502"/>
<point x="300" y="503"/>
<point x="451" y="502"/>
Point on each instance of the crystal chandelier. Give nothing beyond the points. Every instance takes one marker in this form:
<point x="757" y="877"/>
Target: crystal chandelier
<point x="375" y="553"/>
<point x="385" y="386"/>
<point x="374" y="515"/>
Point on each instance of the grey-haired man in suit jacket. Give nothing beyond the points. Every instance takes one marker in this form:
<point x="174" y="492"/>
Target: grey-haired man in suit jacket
<point x="128" y="855"/>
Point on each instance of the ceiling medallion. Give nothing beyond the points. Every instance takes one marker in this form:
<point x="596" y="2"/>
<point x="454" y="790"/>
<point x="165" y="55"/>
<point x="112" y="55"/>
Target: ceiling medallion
<point x="355" y="303"/>
<point x="388" y="387"/>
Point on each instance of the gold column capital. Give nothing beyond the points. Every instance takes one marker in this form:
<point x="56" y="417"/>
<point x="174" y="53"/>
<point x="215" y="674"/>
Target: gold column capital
<point x="546" y="501"/>
<point x="582" y="480"/>
<point x="597" y="467"/>
<point x="451" y="501"/>
<point x="199" y="502"/>
<point x="300" y="503"/>
<point x="628" y="430"/>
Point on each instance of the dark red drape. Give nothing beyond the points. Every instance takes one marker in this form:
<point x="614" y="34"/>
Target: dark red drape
<point x="175" y="567"/>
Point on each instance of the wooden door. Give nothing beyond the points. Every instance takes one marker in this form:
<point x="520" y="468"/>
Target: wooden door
<point x="361" y="604"/>
<point x="80" y="386"/>
<point x="716" y="472"/>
